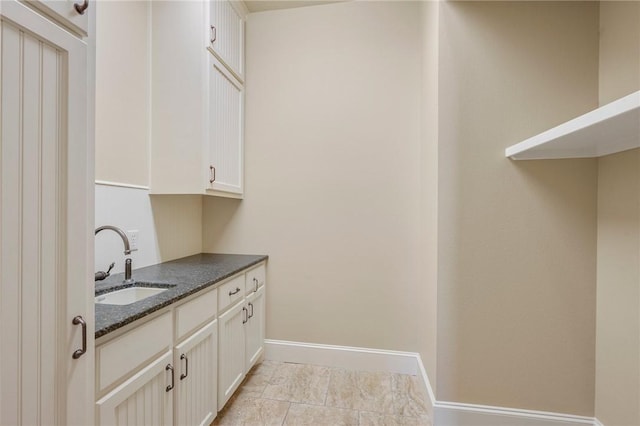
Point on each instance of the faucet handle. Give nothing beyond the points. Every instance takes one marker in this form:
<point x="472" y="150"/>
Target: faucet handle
<point x="100" y="275"/>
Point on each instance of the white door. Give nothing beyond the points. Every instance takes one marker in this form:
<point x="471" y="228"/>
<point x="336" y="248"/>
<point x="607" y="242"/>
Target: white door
<point x="144" y="399"/>
<point x="231" y="351"/>
<point x="196" y="390"/>
<point x="226" y="38"/>
<point x="255" y="327"/>
<point x="226" y="113"/>
<point x="45" y="222"/>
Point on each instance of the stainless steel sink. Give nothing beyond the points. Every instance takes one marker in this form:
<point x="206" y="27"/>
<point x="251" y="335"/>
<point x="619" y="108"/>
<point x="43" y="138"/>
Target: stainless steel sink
<point x="129" y="295"/>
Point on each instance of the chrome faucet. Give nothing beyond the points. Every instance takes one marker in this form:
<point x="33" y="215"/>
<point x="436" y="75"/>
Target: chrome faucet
<point x="127" y="251"/>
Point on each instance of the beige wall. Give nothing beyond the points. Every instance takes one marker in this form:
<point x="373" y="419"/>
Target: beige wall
<point x="619" y="47"/>
<point x="169" y="226"/>
<point x="332" y="173"/>
<point x="618" y="326"/>
<point x="618" y="311"/>
<point x="428" y="287"/>
<point x="122" y="91"/>
<point x="517" y="240"/>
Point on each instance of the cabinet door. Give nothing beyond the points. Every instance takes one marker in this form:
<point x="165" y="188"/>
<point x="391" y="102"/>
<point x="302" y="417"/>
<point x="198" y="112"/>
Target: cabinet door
<point x="227" y="34"/>
<point x="144" y="399"/>
<point x="65" y="12"/>
<point x="255" y="327"/>
<point x="226" y="114"/>
<point x="46" y="238"/>
<point x="231" y="352"/>
<point x="196" y="389"/>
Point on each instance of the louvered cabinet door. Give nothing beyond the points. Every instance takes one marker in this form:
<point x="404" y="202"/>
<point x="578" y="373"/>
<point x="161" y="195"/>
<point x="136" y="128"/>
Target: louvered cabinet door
<point x="144" y="399"/>
<point x="226" y="129"/>
<point x="196" y="388"/>
<point x="45" y="223"/>
<point x="226" y="34"/>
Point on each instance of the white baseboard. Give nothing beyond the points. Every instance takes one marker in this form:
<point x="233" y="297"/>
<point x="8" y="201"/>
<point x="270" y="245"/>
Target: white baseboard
<point x="341" y="356"/>
<point x="442" y="413"/>
<point x="458" y="414"/>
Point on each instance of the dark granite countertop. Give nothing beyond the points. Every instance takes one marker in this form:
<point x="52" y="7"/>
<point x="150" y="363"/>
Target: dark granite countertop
<point x="183" y="277"/>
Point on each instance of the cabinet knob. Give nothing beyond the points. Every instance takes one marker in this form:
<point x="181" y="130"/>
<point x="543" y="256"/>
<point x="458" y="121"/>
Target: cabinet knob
<point x="81" y="7"/>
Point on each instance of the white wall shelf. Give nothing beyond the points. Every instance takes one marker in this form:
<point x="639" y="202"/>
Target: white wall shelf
<point x="612" y="128"/>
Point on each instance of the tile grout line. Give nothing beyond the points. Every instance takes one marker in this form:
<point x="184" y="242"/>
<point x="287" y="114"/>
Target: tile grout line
<point x="393" y="395"/>
<point x="326" y="394"/>
<point x="284" y="419"/>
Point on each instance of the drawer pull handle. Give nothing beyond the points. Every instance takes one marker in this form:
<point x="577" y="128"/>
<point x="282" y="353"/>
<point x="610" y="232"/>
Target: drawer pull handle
<point x="186" y="369"/>
<point x="79" y="352"/>
<point x="214" y="34"/>
<point x="246" y="315"/>
<point x="167" y="368"/>
<point x="80" y="8"/>
<point x="212" y="174"/>
<point x="236" y="291"/>
<point x="255" y="282"/>
<point x="251" y="314"/>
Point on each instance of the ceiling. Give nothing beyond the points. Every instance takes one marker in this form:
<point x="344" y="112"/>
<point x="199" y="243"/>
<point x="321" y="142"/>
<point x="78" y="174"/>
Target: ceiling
<point x="262" y="5"/>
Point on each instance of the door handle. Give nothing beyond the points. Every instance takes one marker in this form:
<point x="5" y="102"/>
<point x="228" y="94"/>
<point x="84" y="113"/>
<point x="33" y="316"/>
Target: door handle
<point x="79" y="352"/>
<point x="246" y="315"/>
<point x="251" y="314"/>
<point x="186" y="371"/>
<point x="212" y="174"/>
<point x="214" y="34"/>
<point x="169" y="367"/>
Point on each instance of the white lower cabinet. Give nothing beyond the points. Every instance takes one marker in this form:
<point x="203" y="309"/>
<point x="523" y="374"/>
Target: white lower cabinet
<point x="254" y="328"/>
<point x="196" y="375"/>
<point x="145" y="398"/>
<point x="241" y="340"/>
<point x="231" y="368"/>
<point x="182" y="366"/>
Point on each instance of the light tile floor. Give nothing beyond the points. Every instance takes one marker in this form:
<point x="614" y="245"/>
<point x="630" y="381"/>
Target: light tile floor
<point x="277" y="393"/>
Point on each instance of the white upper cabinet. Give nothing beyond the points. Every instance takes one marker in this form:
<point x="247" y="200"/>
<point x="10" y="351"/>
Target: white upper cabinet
<point x="226" y="116"/>
<point x="226" y="34"/>
<point x="197" y="114"/>
<point x="72" y="14"/>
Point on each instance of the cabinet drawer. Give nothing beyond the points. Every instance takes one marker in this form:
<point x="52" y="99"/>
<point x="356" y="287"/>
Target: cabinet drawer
<point x="255" y="278"/>
<point x="230" y="292"/>
<point x="195" y="313"/>
<point x="118" y="358"/>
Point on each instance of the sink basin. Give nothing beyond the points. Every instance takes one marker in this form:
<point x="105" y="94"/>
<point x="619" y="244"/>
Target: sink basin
<point x="127" y="296"/>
